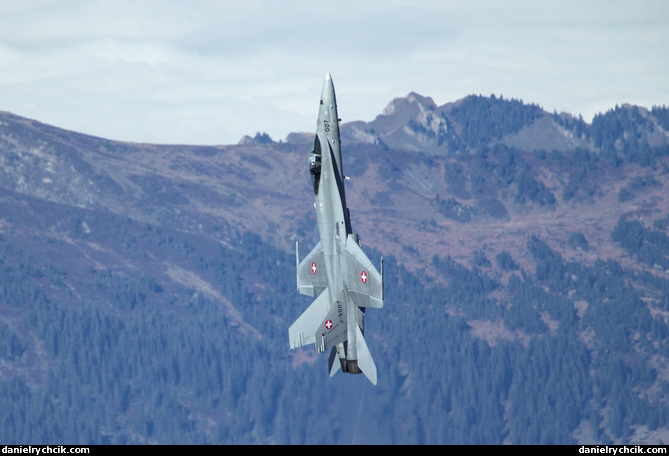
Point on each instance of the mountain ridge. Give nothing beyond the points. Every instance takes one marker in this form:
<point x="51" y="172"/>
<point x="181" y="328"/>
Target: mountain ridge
<point x="175" y="177"/>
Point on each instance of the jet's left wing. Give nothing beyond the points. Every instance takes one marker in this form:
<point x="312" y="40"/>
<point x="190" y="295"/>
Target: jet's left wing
<point x="363" y="281"/>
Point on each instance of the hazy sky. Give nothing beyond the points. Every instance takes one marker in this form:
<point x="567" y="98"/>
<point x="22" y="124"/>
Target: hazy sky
<point x="209" y="72"/>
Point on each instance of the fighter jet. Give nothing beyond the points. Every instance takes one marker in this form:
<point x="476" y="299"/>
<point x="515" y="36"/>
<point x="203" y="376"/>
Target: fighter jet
<point x="336" y="270"/>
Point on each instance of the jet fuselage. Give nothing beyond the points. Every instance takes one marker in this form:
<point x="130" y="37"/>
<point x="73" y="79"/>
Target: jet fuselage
<point x="336" y="270"/>
<point x="332" y="216"/>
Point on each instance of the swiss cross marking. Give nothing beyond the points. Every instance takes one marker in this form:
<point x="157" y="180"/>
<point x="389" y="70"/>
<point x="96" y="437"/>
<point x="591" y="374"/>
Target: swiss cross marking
<point x="313" y="268"/>
<point x="363" y="277"/>
<point x="328" y="324"/>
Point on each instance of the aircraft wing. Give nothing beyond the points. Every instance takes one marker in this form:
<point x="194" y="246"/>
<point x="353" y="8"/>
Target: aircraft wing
<point x="311" y="274"/>
<point x="333" y="329"/>
<point x="364" y="282"/>
<point x="320" y="326"/>
<point x="303" y="330"/>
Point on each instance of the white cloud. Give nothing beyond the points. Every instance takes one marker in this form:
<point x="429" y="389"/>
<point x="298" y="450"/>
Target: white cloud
<point x="211" y="71"/>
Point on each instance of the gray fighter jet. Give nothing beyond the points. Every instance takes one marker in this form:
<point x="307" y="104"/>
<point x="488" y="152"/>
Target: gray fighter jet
<point x="337" y="270"/>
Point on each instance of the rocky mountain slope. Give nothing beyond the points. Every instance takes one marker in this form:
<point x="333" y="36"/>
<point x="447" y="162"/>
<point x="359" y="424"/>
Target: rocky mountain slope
<point x="514" y="234"/>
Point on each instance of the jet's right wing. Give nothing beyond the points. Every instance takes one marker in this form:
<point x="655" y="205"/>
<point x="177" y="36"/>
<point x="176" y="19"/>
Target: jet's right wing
<point x="320" y="326"/>
<point x="303" y="330"/>
<point x="311" y="274"/>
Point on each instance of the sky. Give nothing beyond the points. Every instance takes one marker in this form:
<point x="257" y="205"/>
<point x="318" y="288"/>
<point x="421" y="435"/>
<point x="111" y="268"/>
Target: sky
<point x="211" y="71"/>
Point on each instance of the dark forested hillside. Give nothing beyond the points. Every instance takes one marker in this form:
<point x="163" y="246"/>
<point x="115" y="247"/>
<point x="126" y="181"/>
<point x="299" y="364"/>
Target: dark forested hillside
<point x="146" y="291"/>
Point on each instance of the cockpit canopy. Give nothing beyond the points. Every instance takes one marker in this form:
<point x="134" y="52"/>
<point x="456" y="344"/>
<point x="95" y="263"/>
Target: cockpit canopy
<point x="315" y="164"/>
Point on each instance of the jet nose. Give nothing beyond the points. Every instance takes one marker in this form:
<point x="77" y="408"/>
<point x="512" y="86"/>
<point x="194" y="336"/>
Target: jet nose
<point x="328" y="93"/>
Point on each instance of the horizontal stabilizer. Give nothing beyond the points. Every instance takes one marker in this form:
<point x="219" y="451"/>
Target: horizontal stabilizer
<point x="333" y="362"/>
<point x="365" y="361"/>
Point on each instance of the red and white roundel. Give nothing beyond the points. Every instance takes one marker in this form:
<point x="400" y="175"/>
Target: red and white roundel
<point x="363" y="277"/>
<point x="328" y="324"/>
<point x="313" y="268"/>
